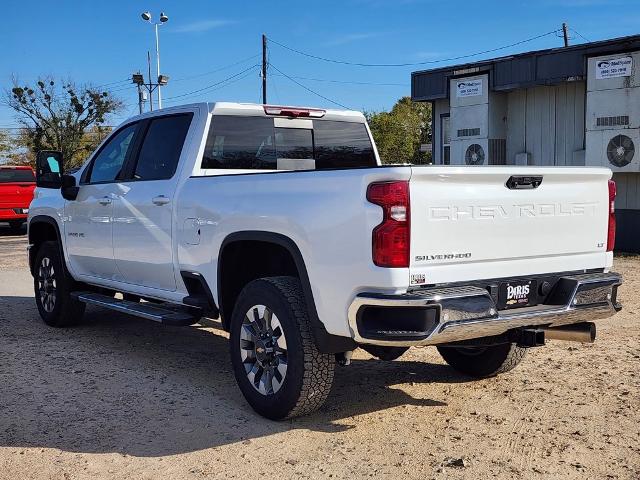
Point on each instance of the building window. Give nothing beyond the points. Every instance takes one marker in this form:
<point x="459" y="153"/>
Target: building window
<point x="445" y="135"/>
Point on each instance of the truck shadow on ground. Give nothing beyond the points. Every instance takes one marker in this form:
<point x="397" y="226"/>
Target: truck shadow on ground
<point x="6" y="231"/>
<point x="120" y="384"/>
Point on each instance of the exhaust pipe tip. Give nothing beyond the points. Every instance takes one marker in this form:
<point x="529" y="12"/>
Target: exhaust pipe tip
<point x="578" y="332"/>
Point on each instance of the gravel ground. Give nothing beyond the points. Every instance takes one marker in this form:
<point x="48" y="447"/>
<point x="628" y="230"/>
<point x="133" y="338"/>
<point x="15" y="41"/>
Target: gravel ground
<point x="129" y="399"/>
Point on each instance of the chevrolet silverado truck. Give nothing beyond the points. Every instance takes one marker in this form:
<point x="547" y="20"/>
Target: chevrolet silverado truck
<point x="282" y="223"/>
<point x="16" y="192"/>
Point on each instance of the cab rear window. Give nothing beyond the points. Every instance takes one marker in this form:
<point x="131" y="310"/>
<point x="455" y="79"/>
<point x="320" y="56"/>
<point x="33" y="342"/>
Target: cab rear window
<point x="254" y="143"/>
<point x="10" y="175"/>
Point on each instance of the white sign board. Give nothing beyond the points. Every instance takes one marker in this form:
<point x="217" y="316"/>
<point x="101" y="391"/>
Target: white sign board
<point x="426" y="147"/>
<point x="614" y="67"/>
<point x="468" y="88"/>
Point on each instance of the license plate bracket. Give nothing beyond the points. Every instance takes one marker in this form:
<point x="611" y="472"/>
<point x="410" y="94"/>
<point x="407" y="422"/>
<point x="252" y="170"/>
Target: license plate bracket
<point x="517" y="294"/>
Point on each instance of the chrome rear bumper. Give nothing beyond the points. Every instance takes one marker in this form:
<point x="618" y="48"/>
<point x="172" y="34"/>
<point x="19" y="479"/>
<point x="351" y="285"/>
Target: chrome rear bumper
<point x="453" y="314"/>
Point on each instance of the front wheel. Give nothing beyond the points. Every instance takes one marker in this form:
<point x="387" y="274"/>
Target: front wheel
<point x="52" y="286"/>
<point x="276" y="363"/>
<point x="483" y="361"/>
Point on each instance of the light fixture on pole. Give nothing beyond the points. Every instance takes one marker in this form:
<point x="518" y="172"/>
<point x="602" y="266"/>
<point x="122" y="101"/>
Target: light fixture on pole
<point x="146" y="16"/>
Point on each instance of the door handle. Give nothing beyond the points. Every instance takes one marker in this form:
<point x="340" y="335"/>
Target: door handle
<point x="160" y="200"/>
<point x="104" y="201"/>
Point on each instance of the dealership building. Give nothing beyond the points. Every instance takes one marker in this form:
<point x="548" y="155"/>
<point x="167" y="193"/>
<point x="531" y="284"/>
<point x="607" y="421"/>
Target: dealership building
<point x="570" y="106"/>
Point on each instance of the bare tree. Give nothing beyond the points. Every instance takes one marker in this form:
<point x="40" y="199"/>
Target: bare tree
<point x="67" y="118"/>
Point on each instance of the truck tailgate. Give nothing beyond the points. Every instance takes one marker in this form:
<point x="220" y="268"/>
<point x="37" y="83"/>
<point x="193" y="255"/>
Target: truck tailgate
<point x="467" y="224"/>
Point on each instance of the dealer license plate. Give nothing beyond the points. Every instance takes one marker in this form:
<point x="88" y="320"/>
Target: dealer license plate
<point x="516" y="294"/>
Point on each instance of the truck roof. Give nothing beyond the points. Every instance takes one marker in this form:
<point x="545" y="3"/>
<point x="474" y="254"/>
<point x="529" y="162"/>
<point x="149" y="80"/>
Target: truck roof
<point x="256" y="109"/>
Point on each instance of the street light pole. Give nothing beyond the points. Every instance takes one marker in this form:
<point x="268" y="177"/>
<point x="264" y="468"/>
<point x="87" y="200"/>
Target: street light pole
<point x="158" y="66"/>
<point x="162" y="79"/>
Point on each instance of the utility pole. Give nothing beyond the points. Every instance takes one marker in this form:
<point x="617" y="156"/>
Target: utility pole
<point x="565" y="34"/>
<point x="140" y="99"/>
<point x="264" y="69"/>
<point x="144" y="88"/>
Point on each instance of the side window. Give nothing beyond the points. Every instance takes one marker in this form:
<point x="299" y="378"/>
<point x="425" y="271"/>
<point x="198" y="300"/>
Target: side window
<point x="161" y="148"/>
<point x="240" y="142"/>
<point x="108" y="163"/>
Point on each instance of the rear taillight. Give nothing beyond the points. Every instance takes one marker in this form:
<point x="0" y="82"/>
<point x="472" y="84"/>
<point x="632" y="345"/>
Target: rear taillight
<point x="391" y="239"/>
<point x="611" y="233"/>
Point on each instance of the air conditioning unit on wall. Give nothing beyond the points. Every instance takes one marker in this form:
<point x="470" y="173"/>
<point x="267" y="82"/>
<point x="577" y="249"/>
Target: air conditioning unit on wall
<point x="616" y="149"/>
<point x="478" y="122"/>
<point x="471" y="151"/>
<point x="613" y="112"/>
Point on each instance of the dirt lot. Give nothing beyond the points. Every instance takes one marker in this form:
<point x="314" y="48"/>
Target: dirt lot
<point x="126" y="398"/>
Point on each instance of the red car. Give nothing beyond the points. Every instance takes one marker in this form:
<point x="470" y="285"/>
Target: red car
<point x="16" y="192"/>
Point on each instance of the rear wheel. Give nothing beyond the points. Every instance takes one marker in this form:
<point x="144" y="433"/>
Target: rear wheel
<point x="276" y="363"/>
<point x="385" y="353"/>
<point x="53" y="286"/>
<point x="483" y="361"/>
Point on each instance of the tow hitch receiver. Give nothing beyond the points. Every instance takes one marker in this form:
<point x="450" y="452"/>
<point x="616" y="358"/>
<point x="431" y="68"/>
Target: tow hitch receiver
<point x="529" y="337"/>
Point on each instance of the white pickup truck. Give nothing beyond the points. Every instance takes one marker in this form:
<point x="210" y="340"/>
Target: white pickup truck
<point x="282" y="223"/>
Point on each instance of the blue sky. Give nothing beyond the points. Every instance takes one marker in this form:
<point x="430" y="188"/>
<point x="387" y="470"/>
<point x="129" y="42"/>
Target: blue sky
<point x="104" y="42"/>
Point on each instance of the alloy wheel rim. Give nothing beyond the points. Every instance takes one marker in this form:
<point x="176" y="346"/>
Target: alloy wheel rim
<point x="47" y="284"/>
<point x="263" y="350"/>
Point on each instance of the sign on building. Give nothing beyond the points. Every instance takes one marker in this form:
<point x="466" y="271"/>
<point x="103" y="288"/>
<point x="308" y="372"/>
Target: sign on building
<point x="468" y="88"/>
<point x="614" y="67"/>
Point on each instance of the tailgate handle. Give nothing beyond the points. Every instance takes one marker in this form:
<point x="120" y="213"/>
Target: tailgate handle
<point x="523" y="182"/>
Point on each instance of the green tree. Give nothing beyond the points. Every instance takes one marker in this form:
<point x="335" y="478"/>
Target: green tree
<point x="400" y="132"/>
<point x="5" y="146"/>
<point x="66" y="118"/>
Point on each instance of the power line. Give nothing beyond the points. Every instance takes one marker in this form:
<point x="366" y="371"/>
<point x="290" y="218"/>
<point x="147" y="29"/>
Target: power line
<point x="112" y="83"/>
<point x="213" y="84"/>
<point x="579" y="34"/>
<point x="217" y="69"/>
<point x="351" y="82"/>
<point x="221" y="84"/>
<point x="409" y="64"/>
<point x="307" y="88"/>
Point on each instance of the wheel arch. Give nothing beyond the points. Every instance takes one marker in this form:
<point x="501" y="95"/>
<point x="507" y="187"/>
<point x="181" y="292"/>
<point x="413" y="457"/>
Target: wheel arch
<point x="42" y="228"/>
<point x="290" y="261"/>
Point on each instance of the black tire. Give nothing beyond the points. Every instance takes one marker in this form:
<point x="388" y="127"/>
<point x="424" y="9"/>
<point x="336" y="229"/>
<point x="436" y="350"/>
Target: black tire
<point x="483" y="362"/>
<point x="52" y="286"/>
<point x="16" y="225"/>
<point x="387" y="354"/>
<point x="308" y="374"/>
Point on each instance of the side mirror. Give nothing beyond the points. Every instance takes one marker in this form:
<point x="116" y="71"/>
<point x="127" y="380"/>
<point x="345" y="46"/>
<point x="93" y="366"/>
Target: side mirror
<point x="69" y="189"/>
<point x="49" y="169"/>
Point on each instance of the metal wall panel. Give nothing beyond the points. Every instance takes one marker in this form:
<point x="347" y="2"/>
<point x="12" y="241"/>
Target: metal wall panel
<point x="432" y="86"/>
<point x="512" y="72"/>
<point x="540" y="111"/>
<point x="547" y="122"/>
<point x="569" y="132"/>
<point x="628" y="191"/>
<point x="558" y="66"/>
<point x="516" y="124"/>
